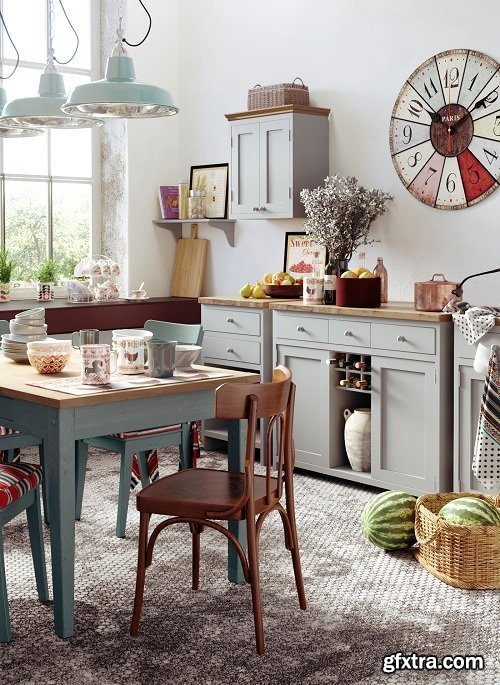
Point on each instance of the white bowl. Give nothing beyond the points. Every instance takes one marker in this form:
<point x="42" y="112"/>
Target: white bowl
<point x="27" y="328"/>
<point x="35" y="313"/>
<point x="185" y="355"/>
<point x="50" y="347"/>
<point x="132" y="333"/>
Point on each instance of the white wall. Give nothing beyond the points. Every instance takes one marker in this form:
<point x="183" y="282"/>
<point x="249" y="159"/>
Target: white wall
<point x="355" y="57"/>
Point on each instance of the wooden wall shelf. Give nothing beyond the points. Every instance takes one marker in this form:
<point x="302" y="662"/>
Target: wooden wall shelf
<point x="175" y="225"/>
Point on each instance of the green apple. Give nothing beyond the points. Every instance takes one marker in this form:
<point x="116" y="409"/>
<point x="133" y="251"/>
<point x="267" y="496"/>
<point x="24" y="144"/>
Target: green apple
<point x="288" y="280"/>
<point x="246" y="291"/>
<point x="278" y="277"/>
<point x="267" y="278"/>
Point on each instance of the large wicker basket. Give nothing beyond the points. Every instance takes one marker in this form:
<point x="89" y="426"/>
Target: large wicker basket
<point x="466" y="557"/>
<point x="279" y="94"/>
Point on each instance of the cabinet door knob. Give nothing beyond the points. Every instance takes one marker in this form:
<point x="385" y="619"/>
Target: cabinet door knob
<point x="255" y="209"/>
<point x="229" y="320"/>
<point x="230" y="350"/>
<point x="347" y="333"/>
<point x="300" y="329"/>
<point x="262" y="209"/>
<point x="401" y="338"/>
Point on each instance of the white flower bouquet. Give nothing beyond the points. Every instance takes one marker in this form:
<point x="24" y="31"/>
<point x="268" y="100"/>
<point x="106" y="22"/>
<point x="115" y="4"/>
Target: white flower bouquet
<point x="340" y="214"/>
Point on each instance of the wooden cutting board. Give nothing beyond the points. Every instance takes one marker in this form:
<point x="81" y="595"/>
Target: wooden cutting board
<point x="189" y="265"/>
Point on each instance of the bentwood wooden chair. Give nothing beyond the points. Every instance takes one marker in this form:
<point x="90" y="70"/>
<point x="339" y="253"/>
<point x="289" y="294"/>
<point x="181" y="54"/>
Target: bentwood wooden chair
<point x="201" y="497"/>
<point x="143" y="443"/>
<point x="19" y="491"/>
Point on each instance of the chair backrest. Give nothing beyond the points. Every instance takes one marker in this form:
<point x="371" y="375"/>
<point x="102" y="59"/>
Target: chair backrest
<point x="185" y="333"/>
<point x="275" y="401"/>
<point x="4" y="327"/>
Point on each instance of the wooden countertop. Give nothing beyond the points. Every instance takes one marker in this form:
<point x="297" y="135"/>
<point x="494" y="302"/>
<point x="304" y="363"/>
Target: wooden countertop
<point x="391" y="310"/>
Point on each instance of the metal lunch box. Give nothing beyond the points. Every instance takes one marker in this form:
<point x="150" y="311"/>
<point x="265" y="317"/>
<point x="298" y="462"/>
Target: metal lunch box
<point x="433" y="295"/>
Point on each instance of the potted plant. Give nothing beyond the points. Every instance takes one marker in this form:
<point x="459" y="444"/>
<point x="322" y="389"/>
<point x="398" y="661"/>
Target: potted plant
<point x="340" y="214"/>
<point x="6" y="268"/>
<point x="45" y="275"/>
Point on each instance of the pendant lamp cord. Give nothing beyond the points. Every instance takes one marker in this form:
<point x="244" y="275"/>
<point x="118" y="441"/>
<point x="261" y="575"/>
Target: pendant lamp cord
<point x="4" y="78"/>
<point x="135" y="45"/>
<point x="52" y="32"/>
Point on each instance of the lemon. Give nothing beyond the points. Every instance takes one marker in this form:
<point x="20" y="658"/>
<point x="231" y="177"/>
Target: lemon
<point x="359" y="270"/>
<point x="349" y="274"/>
<point x="367" y="274"/>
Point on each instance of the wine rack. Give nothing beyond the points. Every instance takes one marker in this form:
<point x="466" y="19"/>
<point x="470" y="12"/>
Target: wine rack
<point x="353" y="371"/>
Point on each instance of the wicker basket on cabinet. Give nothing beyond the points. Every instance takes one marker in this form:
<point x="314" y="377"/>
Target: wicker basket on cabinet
<point x="260" y="97"/>
<point x="466" y="557"/>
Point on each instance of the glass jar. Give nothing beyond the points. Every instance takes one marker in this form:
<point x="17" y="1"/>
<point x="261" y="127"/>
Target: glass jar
<point x="196" y="204"/>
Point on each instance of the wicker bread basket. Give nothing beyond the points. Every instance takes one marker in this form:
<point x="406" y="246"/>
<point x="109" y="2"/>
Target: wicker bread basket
<point x="279" y="94"/>
<point x="466" y="557"/>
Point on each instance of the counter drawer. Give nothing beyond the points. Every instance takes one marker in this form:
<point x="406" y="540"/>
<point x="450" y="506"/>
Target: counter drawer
<point x="300" y="327"/>
<point x="226" y="320"/>
<point x="349" y="332"/>
<point x="231" y="349"/>
<point x="464" y="350"/>
<point x="404" y="338"/>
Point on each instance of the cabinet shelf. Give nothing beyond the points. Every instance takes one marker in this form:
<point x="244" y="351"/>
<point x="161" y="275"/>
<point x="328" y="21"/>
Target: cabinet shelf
<point x="356" y="372"/>
<point x="365" y="392"/>
<point x="175" y="225"/>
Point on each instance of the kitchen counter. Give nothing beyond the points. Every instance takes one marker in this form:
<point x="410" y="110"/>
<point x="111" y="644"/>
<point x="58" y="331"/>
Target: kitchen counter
<point x="391" y="310"/>
<point x="62" y="316"/>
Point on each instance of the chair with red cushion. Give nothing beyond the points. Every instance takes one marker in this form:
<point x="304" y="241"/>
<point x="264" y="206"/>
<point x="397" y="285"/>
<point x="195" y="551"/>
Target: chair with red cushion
<point x="144" y="442"/>
<point x="201" y="497"/>
<point x="19" y="491"/>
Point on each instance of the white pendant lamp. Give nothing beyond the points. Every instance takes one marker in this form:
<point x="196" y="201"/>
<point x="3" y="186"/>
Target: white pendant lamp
<point x="15" y="131"/>
<point x="44" y="110"/>
<point x="119" y="95"/>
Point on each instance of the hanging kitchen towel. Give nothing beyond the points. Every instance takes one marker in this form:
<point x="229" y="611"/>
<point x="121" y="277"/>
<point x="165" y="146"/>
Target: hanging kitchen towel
<point x="486" y="458"/>
<point x="473" y="322"/>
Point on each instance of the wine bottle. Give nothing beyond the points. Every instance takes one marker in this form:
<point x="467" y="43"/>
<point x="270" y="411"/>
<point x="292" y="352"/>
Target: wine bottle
<point x="330" y="279"/>
<point x="381" y="271"/>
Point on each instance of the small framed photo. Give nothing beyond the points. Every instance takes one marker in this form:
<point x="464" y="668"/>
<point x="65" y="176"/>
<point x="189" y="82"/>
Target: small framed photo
<point x="300" y="251"/>
<point x="213" y="179"/>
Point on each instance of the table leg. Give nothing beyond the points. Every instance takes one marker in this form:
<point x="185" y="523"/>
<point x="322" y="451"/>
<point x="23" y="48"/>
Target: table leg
<point x="237" y="431"/>
<point x="60" y="474"/>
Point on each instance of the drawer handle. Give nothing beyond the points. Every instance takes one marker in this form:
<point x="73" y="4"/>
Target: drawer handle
<point x="230" y="350"/>
<point x="255" y="209"/>
<point x="262" y="209"/>
<point x="301" y="329"/>
<point x="229" y="320"/>
<point x="347" y="333"/>
<point x="401" y="338"/>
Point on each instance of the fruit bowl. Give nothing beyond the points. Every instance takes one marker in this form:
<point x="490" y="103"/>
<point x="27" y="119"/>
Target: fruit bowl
<point x="283" y="291"/>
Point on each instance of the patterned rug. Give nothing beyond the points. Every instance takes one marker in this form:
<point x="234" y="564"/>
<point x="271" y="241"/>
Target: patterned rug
<point x="363" y="603"/>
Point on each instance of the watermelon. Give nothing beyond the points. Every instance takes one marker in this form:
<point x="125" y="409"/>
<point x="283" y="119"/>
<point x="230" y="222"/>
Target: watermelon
<point x="388" y="520"/>
<point x="470" y="511"/>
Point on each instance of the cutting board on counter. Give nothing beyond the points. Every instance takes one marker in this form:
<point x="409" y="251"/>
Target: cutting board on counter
<point x="189" y="265"/>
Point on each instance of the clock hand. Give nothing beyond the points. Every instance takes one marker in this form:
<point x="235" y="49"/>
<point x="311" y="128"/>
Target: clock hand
<point x="479" y="103"/>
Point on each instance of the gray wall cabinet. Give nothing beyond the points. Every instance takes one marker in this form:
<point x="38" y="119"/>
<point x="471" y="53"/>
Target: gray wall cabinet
<point x="275" y="153"/>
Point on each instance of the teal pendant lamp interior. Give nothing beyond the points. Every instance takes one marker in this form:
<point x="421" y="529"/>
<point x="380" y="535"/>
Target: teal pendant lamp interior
<point x="119" y="95"/>
<point x="44" y="110"/>
<point x="15" y="131"/>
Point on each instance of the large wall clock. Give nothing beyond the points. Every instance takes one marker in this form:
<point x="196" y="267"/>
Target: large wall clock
<point x="445" y="130"/>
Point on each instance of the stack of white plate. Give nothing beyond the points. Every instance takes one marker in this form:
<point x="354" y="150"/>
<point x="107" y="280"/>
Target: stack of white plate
<point x="24" y="328"/>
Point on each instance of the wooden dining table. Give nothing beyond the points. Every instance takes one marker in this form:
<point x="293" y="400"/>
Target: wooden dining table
<point x="62" y="419"/>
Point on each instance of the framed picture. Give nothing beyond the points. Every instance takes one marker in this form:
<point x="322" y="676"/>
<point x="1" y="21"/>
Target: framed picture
<point x="212" y="178"/>
<point x="300" y="251"/>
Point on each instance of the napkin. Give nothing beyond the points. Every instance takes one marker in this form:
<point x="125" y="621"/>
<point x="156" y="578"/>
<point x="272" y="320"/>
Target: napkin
<point x="486" y="457"/>
<point x="472" y="322"/>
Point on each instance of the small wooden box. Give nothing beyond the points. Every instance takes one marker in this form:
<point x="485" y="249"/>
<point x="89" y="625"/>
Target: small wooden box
<point x="358" y="292"/>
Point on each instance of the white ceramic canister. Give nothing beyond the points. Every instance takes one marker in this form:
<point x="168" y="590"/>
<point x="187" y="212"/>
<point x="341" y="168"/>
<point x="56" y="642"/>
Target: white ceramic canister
<point x="357" y="438"/>
<point x="313" y="290"/>
<point x="130" y="354"/>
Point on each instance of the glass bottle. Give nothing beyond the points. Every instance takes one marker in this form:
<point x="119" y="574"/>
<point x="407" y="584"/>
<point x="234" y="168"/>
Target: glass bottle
<point x="330" y="278"/>
<point x="381" y="271"/>
<point x="316" y="265"/>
